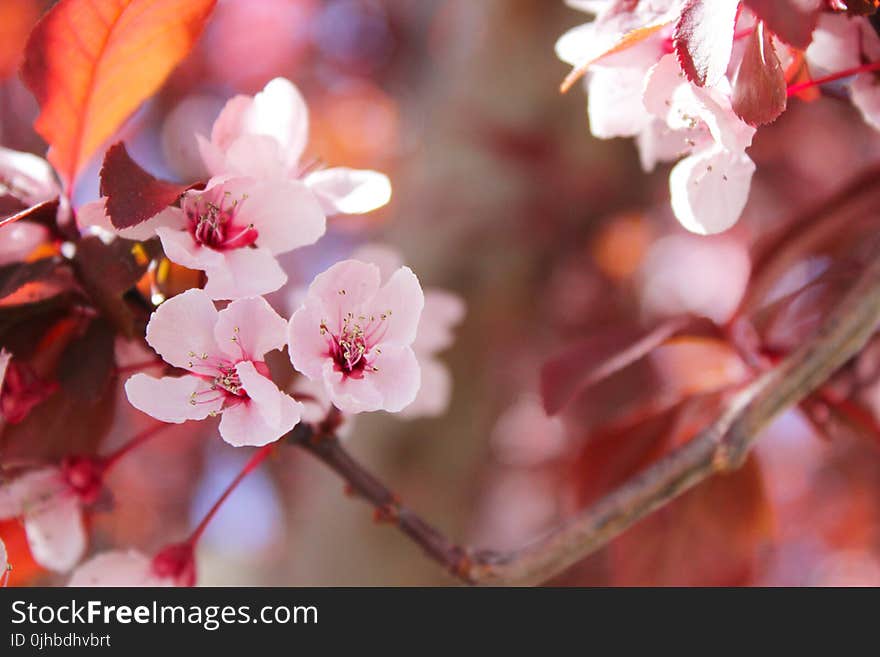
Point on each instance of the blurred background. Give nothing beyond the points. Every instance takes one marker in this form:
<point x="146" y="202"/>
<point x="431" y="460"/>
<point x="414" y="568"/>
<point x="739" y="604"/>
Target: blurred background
<point x="550" y="236"/>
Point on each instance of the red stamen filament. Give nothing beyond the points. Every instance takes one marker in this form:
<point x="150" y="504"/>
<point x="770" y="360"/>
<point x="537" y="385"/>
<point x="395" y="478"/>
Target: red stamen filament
<point x="864" y="68"/>
<point x="249" y="467"/>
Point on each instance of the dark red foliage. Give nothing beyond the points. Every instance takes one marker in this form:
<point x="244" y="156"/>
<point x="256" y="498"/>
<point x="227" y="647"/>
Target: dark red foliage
<point x="133" y="195"/>
<point x="759" y="91"/>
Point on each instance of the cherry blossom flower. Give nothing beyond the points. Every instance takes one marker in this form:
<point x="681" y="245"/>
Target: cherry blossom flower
<point x="264" y="137"/>
<point x="173" y="566"/>
<point x="355" y="335"/>
<point x="443" y="311"/>
<point x="232" y="231"/>
<point x="222" y="353"/>
<point x="50" y="501"/>
<point x="637" y="88"/>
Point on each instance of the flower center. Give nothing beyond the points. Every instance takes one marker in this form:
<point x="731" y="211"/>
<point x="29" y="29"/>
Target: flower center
<point x="228" y="380"/>
<point x="225" y="382"/>
<point x="352" y="350"/>
<point x="214" y="221"/>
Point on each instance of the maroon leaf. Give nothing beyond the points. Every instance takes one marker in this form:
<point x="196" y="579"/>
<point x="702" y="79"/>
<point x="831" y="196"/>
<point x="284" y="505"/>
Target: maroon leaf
<point x="793" y="21"/>
<point x="106" y="271"/>
<point x="592" y="359"/>
<point x="703" y="39"/>
<point x="133" y="195"/>
<point x="759" y="91"/>
<point x="95" y="348"/>
<point x="15" y="276"/>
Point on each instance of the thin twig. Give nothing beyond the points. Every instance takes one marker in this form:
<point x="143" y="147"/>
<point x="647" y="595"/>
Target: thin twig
<point x="387" y="505"/>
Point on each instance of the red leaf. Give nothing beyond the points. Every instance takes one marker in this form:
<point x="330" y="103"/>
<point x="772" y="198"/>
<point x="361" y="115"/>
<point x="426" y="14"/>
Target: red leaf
<point x="16" y="20"/>
<point x="703" y="39"/>
<point x="759" y="91"/>
<point x="597" y="357"/>
<point x="133" y="195"/>
<point x="793" y="21"/>
<point x="90" y="63"/>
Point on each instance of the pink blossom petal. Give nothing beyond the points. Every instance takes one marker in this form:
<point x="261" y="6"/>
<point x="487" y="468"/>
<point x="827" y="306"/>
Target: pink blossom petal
<point x="349" y="191"/>
<point x="397" y="377"/>
<point x="245" y="272"/>
<point x="344" y="288"/>
<point x="255" y="156"/>
<point x="835" y="45"/>
<point x="709" y="189"/>
<point x="660" y="143"/>
<point x="30" y="178"/>
<point x="267" y="415"/>
<point x="117" y="568"/>
<point x="31" y="492"/>
<point x="213" y="157"/>
<point x="279" y="111"/>
<point x="19" y="240"/>
<point x="183" y="326"/>
<point x="581" y="44"/>
<point x="434" y="393"/>
<point x="180" y="247"/>
<point x="56" y="533"/>
<point x="398" y="306"/>
<point x="351" y="395"/>
<point x="189" y="119"/>
<point x="228" y="125"/>
<point x="442" y="312"/>
<point x="249" y="328"/>
<point x="306" y="343"/>
<point x="285" y="213"/>
<point x="174" y="399"/>
<point x="614" y="102"/>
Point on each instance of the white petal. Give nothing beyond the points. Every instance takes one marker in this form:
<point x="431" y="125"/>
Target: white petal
<point x="183" y="326"/>
<point x="250" y="328"/>
<point x="349" y="191"/>
<point x="709" y="189"/>
<point x="173" y="399"/>
<point x="56" y="534"/>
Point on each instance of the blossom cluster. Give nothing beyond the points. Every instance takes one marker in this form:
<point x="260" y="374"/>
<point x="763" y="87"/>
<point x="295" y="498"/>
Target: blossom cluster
<point x="692" y="80"/>
<point x="365" y="336"/>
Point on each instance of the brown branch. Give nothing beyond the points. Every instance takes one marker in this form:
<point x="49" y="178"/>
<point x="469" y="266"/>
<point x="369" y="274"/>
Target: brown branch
<point x="387" y="505"/>
<point x="720" y="447"/>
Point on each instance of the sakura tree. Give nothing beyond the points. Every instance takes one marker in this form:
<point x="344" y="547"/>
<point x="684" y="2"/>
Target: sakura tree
<point x="201" y="268"/>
